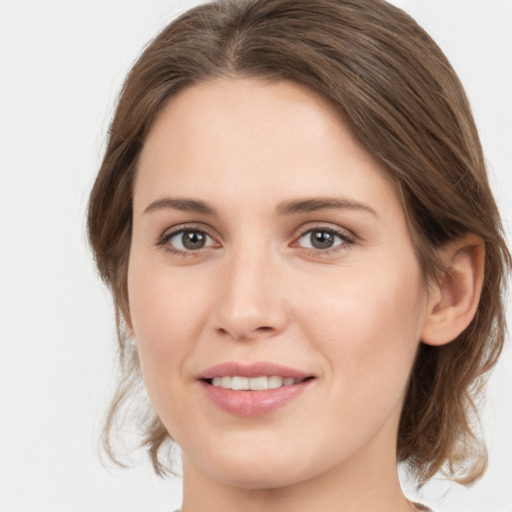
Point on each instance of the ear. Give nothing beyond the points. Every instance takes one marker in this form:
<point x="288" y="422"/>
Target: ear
<point x="453" y="300"/>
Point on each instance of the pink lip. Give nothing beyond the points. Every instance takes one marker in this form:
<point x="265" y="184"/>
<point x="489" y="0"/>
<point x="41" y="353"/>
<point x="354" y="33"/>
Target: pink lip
<point x="253" y="403"/>
<point x="259" y="369"/>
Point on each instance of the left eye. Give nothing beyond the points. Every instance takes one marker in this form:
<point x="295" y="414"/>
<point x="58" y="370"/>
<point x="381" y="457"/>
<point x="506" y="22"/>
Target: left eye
<point x="321" y="239"/>
<point x="190" y="240"/>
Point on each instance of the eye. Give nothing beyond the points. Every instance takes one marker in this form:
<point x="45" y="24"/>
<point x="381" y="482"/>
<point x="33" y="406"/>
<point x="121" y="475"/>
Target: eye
<point x="187" y="240"/>
<point x="323" y="239"/>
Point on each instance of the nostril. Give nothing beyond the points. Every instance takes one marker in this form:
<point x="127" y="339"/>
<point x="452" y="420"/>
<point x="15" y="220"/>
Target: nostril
<point x="243" y="334"/>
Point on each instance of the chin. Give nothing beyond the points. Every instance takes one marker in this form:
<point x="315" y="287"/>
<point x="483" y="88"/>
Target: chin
<point x="259" y="468"/>
<point x="261" y="478"/>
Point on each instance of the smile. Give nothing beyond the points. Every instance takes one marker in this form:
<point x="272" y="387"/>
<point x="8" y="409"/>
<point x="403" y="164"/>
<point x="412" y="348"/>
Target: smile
<point x="253" y="389"/>
<point x="238" y="383"/>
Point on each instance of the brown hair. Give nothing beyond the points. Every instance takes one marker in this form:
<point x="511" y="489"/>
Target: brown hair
<point x="397" y="92"/>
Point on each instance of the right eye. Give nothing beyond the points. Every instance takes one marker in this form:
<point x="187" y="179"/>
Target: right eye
<point x="187" y="240"/>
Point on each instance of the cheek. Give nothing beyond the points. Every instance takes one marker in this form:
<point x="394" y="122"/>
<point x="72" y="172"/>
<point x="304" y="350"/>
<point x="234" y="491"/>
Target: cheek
<point x="168" y="312"/>
<point x="355" y="300"/>
<point x="368" y="330"/>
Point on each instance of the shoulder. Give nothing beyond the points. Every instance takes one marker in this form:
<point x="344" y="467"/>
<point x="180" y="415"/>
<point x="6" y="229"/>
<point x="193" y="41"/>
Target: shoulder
<point x="419" y="506"/>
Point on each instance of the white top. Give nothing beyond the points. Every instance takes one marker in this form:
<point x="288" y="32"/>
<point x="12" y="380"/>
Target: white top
<point x="418" y="505"/>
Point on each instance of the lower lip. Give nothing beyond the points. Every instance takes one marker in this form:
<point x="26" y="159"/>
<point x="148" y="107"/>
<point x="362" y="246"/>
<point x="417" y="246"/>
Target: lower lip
<point x="254" y="403"/>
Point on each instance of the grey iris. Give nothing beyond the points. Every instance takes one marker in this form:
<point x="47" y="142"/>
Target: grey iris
<point x="193" y="240"/>
<point x="322" y="239"/>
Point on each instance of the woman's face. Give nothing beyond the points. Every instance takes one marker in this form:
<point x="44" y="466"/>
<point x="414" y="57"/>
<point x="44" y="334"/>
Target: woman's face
<point x="267" y="241"/>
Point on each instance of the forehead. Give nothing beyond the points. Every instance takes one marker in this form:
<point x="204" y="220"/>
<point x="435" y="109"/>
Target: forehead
<point x="259" y="138"/>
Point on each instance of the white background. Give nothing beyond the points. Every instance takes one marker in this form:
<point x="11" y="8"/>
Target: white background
<point x="61" y="66"/>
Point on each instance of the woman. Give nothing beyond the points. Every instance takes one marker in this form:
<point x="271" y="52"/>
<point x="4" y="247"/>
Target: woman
<point x="294" y="218"/>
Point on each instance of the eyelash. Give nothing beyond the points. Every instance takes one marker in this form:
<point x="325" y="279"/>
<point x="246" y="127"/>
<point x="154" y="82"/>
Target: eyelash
<point x="163" y="240"/>
<point x="347" y="240"/>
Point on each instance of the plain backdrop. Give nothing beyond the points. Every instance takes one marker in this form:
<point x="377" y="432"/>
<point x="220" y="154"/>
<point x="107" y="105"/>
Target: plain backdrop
<point x="61" y="66"/>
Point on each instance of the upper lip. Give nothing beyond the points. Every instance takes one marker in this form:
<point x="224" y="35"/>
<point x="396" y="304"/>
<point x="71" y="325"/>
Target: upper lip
<point x="258" y="369"/>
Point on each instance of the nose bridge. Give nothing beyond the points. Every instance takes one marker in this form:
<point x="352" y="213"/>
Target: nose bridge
<point x="250" y="303"/>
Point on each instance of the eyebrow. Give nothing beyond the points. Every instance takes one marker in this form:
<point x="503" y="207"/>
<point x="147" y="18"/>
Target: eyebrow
<point x="184" y="205"/>
<point x="285" y="208"/>
<point x="295" y="206"/>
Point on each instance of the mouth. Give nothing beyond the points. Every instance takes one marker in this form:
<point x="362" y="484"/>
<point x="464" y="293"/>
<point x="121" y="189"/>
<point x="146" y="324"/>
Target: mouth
<point x="253" y="389"/>
<point x="261" y="383"/>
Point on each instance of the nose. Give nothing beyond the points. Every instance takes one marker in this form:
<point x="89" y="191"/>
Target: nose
<point x="251" y="303"/>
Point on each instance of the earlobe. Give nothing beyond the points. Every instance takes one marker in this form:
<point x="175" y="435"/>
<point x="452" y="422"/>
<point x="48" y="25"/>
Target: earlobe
<point x="129" y="326"/>
<point x="130" y="331"/>
<point x="126" y="316"/>
<point x="453" y="301"/>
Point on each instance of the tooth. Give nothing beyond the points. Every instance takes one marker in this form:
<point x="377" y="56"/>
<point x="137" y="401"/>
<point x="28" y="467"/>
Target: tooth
<point x="225" y="382"/>
<point x="275" y="382"/>
<point x="255" y="383"/>
<point x="258" y="383"/>
<point x="240" y="383"/>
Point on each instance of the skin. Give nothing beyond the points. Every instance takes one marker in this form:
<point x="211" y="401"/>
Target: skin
<point x="351" y="316"/>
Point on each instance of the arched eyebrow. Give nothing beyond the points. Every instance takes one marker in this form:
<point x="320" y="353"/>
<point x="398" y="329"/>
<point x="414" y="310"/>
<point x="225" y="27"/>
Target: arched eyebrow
<point x="182" y="204"/>
<point x="285" y="208"/>
<point x="295" y="206"/>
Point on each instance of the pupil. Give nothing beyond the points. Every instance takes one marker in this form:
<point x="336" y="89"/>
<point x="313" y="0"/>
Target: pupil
<point x="321" y="239"/>
<point x="193" y="240"/>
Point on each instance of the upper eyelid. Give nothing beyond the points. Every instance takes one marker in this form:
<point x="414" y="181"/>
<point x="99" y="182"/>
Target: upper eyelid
<point x="302" y="229"/>
<point x="326" y="226"/>
<point x="346" y="240"/>
<point x="179" y="228"/>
